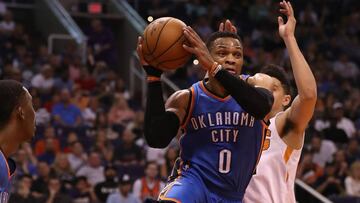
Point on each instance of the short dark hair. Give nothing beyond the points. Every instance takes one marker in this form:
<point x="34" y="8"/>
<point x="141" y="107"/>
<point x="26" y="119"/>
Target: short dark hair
<point x="11" y="92"/>
<point x="278" y="73"/>
<point x="216" y="35"/>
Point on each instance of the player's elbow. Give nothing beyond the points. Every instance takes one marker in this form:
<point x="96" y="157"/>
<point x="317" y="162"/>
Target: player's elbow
<point x="156" y="143"/>
<point x="309" y="95"/>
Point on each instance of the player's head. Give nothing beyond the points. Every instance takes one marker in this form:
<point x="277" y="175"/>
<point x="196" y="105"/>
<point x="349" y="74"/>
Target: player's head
<point x="281" y="86"/>
<point x="16" y="110"/>
<point x="226" y="49"/>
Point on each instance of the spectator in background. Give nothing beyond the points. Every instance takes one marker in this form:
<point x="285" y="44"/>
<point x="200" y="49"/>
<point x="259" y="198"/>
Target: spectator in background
<point x="346" y="68"/>
<point x="65" y="113"/>
<point x="40" y="185"/>
<point x="63" y="81"/>
<point x="40" y="145"/>
<point x="7" y="25"/>
<point x="308" y="171"/>
<point x="50" y="151"/>
<point x="55" y="195"/>
<point x="23" y="193"/>
<point x="334" y="133"/>
<point x="128" y="156"/>
<point x="329" y="184"/>
<point x="352" y="151"/>
<point x="340" y="164"/>
<point x="44" y="80"/>
<point x="109" y="186"/>
<point x="343" y="122"/>
<point x="352" y="182"/>
<point x="101" y="41"/>
<point x="322" y="150"/>
<point x="83" y="192"/>
<point x="90" y="112"/>
<point x="149" y="186"/>
<point x="120" y="113"/>
<point x="103" y="146"/>
<point x="93" y="170"/>
<point x="25" y="162"/>
<point x="123" y="194"/>
<point x="62" y="169"/>
<point x="42" y="116"/>
<point x="77" y="157"/>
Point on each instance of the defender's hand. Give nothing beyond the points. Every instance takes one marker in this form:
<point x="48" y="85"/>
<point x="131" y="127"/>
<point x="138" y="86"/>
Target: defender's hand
<point x="288" y="29"/>
<point x="198" y="48"/>
<point x="227" y="27"/>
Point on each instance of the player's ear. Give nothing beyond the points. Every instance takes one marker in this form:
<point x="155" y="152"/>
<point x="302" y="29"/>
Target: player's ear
<point x="20" y="112"/>
<point x="286" y="100"/>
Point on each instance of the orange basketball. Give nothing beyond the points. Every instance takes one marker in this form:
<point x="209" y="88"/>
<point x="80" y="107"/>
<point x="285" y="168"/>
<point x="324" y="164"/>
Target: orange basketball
<point x="162" y="44"/>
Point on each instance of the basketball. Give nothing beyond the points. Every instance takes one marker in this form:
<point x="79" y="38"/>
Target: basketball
<point x="162" y="44"/>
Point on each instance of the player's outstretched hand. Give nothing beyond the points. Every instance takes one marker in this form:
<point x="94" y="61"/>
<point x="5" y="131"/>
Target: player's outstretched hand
<point x="286" y="29"/>
<point x="140" y="53"/>
<point x="198" y="48"/>
<point x="227" y="27"/>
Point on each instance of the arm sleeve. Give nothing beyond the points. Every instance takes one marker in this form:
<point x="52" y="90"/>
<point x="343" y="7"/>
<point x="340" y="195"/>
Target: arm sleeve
<point x="256" y="101"/>
<point x="160" y="126"/>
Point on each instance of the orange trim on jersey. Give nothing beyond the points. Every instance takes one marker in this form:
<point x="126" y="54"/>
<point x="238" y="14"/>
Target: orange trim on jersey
<point x="192" y="104"/>
<point x="7" y="165"/>
<point x="202" y="86"/>
<point x="170" y="199"/>
<point x="287" y="154"/>
<point x="168" y="188"/>
<point x="264" y="132"/>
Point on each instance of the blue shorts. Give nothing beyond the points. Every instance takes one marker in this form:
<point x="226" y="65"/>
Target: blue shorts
<point x="189" y="188"/>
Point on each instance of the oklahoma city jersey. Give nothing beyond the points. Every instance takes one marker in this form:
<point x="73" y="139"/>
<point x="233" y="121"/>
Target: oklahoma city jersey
<point x="5" y="178"/>
<point x="222" y="143"/>
<point x="275" y="173"/>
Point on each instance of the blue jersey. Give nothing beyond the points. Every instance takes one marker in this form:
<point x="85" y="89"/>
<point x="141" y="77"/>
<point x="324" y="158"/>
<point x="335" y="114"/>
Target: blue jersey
<point x="222" y="143"/>
<point x="5" y="178"/>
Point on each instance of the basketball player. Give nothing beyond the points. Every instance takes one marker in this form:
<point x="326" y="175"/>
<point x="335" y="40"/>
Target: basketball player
<point x="17" y="124"/>
<point x="222" y="118"/>
<point x="275" y="174"/>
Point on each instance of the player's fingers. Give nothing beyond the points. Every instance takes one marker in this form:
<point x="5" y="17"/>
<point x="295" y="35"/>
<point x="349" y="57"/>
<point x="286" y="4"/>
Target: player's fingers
<point x="287" y="7"/>
<point x="282" y="5"/>
<point x="189" y="49"/>
<point x="233" y="29"/>
<point x="228" y="25"/>
<point x="280" y="20"/>
<point x="191" y="39"/>
<point x="221" y="27"/>
<point x="291" y="8"/>
<point x="283" y="11"/>
<point x="192" y="31"/>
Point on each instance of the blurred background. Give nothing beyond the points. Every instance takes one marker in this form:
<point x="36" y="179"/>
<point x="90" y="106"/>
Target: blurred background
<point x="77" y="59"/>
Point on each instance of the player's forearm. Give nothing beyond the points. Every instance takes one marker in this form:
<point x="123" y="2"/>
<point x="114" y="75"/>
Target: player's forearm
<point x="304" y="78"/>
<point x="255" y="101"/>
<point x="160" y="126"/>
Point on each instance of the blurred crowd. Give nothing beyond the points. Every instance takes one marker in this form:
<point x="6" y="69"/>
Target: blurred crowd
<point x="89" y="145"/>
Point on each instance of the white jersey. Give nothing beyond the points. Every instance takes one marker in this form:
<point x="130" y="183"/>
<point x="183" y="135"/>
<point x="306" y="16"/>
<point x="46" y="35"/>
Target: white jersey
<point x="275" y="174"/>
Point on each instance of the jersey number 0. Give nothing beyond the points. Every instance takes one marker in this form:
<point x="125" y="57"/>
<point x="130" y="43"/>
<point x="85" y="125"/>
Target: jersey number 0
<point x="224" y="161"/>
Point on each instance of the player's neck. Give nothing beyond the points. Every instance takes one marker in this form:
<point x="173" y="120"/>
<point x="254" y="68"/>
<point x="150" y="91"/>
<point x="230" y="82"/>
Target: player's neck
<point x="215" y="87"/>
<point x="8" y="142"/>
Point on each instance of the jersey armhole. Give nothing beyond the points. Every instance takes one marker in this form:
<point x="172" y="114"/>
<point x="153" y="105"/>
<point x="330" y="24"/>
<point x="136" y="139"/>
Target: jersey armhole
<point x="189" y="107"/>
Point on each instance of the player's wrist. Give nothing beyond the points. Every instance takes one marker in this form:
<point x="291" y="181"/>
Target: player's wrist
<point x="152" y="74"/>
<point x="215" y="68"/>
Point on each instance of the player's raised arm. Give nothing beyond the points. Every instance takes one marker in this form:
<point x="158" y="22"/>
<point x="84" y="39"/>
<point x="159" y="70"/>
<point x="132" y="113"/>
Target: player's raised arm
<point x="302" y="108"/>
<point x="160" y="125"/>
